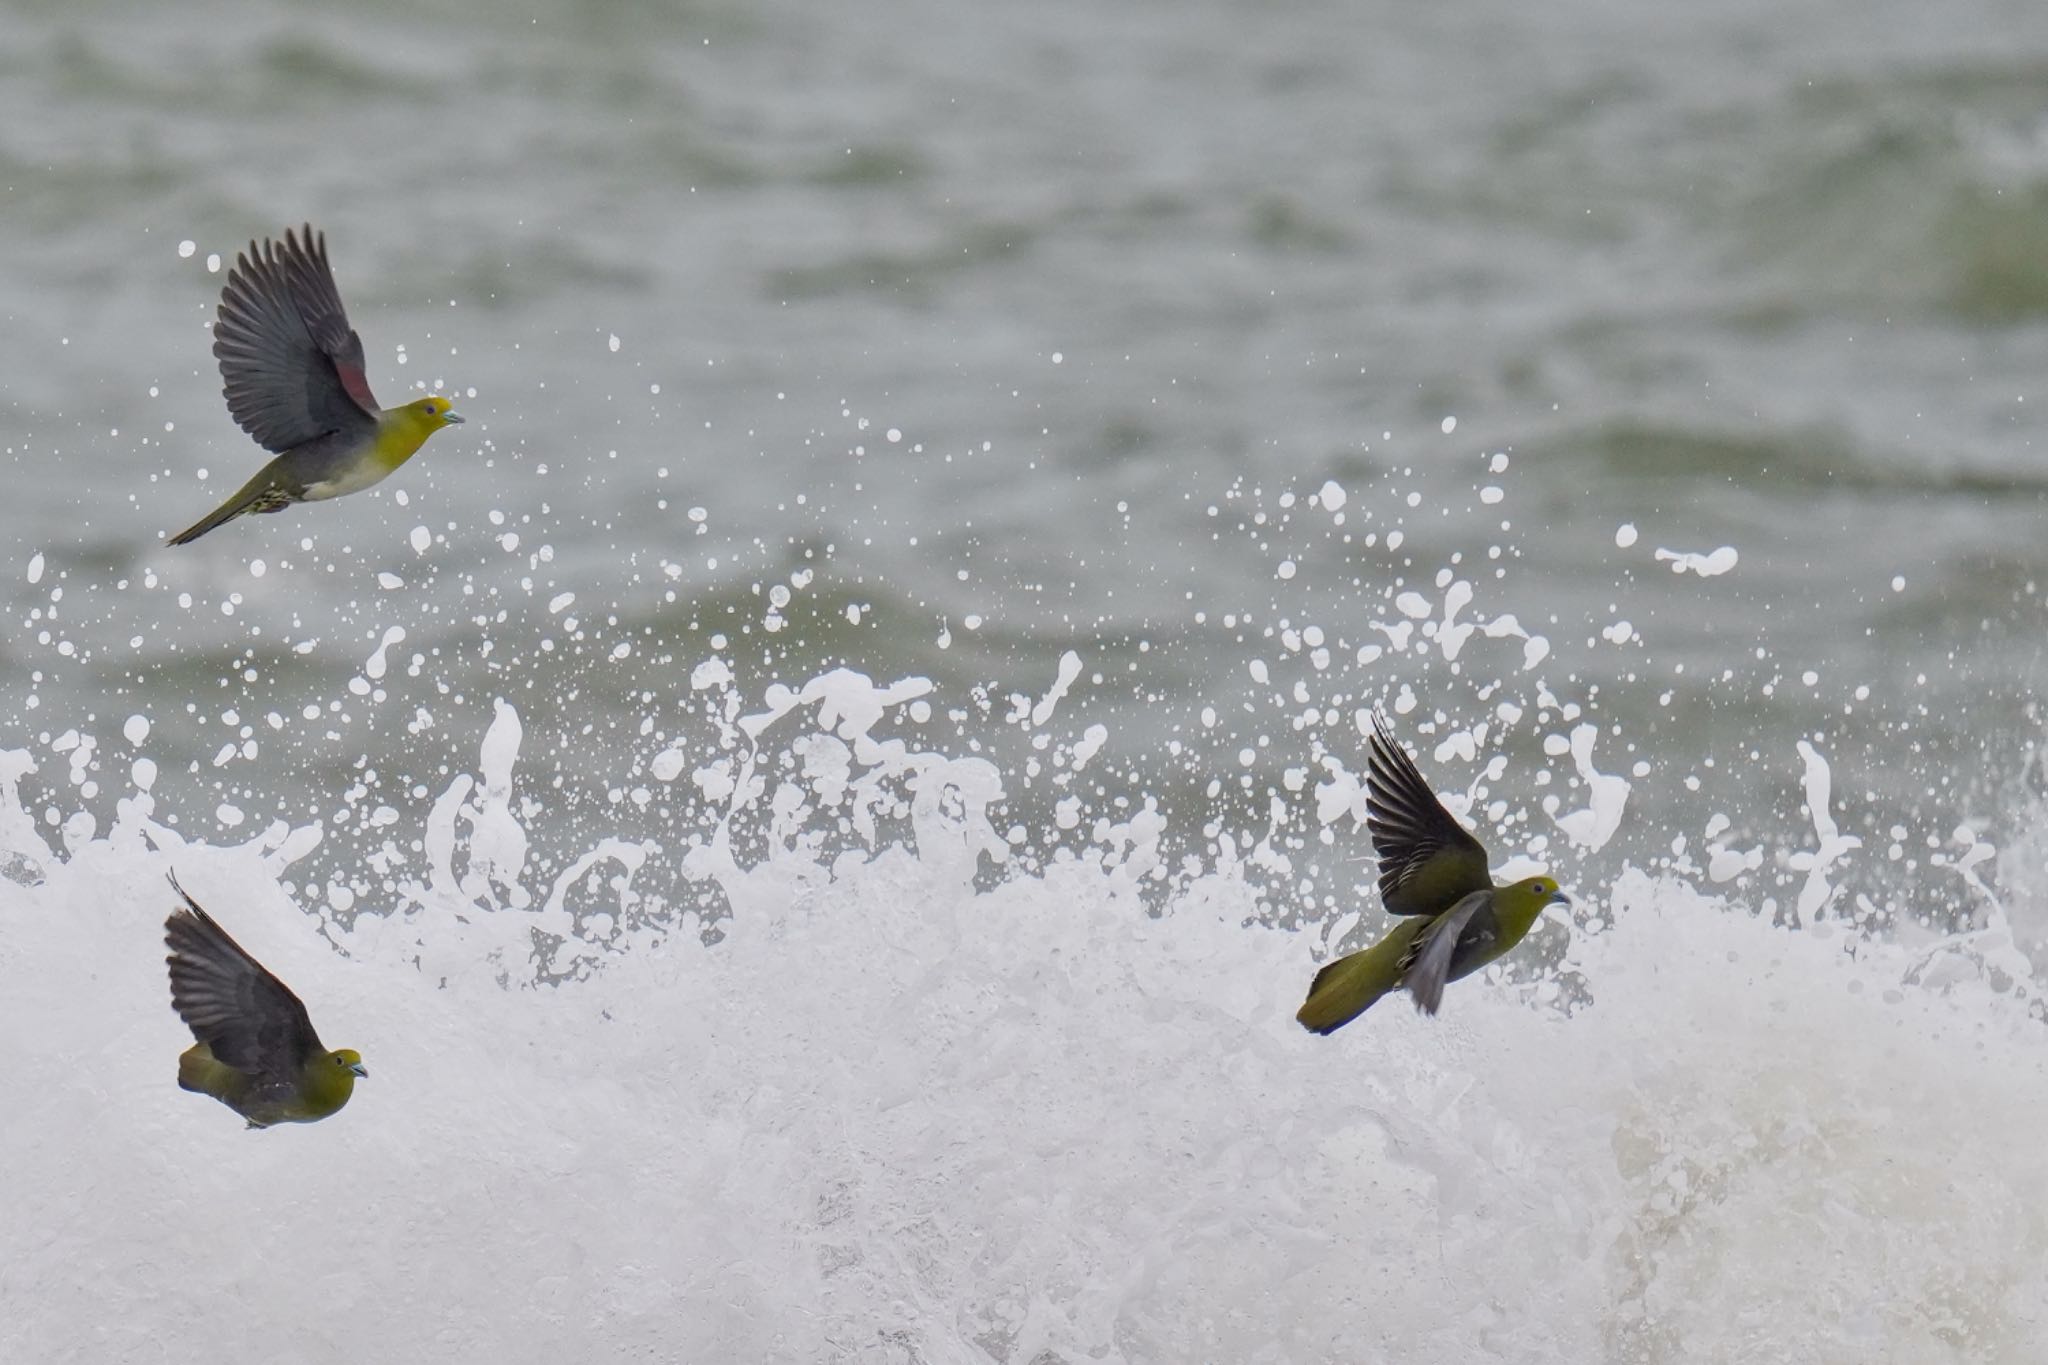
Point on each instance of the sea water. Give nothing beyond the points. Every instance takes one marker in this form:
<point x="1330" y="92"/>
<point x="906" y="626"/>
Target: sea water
<point x="891" y="1113"/>
<point x="819" y="802"/>
<point x="808" y="1038"/>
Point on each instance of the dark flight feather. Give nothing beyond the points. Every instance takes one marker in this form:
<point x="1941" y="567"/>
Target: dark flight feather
<point x="291" y="366"/>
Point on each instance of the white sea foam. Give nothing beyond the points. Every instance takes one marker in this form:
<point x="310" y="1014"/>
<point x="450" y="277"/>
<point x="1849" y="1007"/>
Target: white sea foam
<point x="1706" y="565"/>
<point x="1606" y="795"/>
<point x="894" y="1114"/>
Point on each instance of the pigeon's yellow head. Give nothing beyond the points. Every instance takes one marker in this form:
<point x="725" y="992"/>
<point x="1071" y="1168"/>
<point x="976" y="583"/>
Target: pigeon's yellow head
<point x="434" y="412"/>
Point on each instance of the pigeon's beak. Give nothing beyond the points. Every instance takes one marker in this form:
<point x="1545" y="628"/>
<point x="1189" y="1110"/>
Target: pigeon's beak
<point x="452" y="418"/>
<point x="1560" y="898"/>
<point x="359" y="1069"/>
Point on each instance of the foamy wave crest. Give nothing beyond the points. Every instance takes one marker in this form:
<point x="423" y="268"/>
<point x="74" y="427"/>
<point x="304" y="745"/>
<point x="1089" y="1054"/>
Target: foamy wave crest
<point x="876" y="1103"/>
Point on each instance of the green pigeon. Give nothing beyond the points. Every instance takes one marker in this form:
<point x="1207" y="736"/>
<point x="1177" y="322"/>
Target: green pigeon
<point x="1434" y="874"/>
<point x="257" y="1052"/>
<point x="295" y="380"/>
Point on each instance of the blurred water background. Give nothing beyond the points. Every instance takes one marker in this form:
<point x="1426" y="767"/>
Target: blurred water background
<point x="1120" y="284"/>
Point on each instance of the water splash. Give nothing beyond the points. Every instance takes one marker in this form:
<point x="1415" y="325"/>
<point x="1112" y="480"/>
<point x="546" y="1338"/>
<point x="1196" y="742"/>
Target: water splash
<point x="892" y="1113"/>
